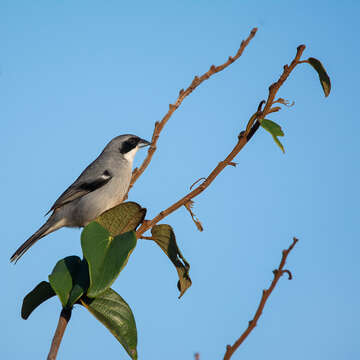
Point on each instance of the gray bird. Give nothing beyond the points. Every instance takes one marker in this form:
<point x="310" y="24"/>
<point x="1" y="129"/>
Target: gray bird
<point x="100" y="187"/>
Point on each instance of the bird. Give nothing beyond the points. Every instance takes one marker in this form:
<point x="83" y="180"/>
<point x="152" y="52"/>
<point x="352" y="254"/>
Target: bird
<point x="100" y="187"/>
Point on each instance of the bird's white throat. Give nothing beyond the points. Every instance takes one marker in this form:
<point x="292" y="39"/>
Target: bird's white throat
<point x="129" y="156"/>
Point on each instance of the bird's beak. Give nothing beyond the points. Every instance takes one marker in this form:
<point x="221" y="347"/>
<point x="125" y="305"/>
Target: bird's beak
<point x="143" y="143"/>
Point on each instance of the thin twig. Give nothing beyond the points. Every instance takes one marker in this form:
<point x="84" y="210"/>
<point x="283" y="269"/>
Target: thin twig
<point x="243" y="139"/>
<point x="182" y="95"/>
<point x="195" y="219"/>
<point x="65" y="316"/>
<point x="202" y="178"/>
<point x="265" y="295"/>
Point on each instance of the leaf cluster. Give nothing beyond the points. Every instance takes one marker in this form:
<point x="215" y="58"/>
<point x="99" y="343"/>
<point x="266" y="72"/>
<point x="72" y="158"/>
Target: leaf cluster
<point x="107" y="244"/>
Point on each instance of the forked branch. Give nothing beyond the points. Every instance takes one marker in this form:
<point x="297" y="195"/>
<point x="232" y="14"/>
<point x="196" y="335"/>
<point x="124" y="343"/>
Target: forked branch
<point x="243" y="138"/>
<point x="182" y="95"/>
<point x="278" y="273"/>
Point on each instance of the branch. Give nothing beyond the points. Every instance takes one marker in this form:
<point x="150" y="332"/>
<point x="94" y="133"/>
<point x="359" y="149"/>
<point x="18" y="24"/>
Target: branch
<point x="182" y="95"/>
<point x="265" y="295"/>
<point x="243" y="139"/>
<point x="65" y="316"/>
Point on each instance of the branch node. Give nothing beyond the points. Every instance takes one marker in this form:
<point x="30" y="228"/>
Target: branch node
<point x="181" y="92"/>
<point x="212" y="68"/>
<point x="272" y="86"/>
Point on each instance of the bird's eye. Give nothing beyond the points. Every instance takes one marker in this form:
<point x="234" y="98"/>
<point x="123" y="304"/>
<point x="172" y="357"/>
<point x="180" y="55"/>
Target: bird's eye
<point x="129" y="144"/>
<point x="134" y="140"/>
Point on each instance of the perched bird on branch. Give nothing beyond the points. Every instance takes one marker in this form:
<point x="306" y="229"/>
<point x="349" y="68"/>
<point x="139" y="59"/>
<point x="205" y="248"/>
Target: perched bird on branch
<point x="100" y="187"/>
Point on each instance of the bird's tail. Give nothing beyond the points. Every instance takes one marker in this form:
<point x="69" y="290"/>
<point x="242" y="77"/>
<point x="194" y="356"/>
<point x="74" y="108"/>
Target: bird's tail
<point x="51" y="225"/>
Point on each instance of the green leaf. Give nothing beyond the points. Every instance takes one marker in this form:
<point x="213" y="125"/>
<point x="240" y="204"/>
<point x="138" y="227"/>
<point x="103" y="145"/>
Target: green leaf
<point x="323" y="76"/>
<point x="274" y="129"/>
<point x="164" y="236"/>
<point x="106" y="255"/>
<point x="112" y="311"/>
<point x="279" y="144"/>
<point x="36" y="297"/>
<point x="61" y="278"/>
<point x="122" y="218"/>
<point x="80" y="283"/>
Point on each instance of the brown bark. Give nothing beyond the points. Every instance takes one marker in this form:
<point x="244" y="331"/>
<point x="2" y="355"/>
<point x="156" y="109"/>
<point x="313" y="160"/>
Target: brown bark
<point x="65" y="316"/>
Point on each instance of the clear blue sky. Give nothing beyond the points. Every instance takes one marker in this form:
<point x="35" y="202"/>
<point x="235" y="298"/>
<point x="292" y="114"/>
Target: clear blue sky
<point x="75" y="74"/>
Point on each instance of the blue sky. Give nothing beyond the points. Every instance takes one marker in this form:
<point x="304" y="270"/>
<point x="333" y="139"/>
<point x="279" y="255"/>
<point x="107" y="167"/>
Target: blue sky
<point x="75" y="74"/>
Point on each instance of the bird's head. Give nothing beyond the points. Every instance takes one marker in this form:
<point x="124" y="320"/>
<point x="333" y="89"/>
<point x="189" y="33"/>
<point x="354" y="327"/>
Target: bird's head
<point x="127" y="145"/>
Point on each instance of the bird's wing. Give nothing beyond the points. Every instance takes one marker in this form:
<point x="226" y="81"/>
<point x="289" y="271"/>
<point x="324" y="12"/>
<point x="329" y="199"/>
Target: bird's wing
<point x="82" y="186"/>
